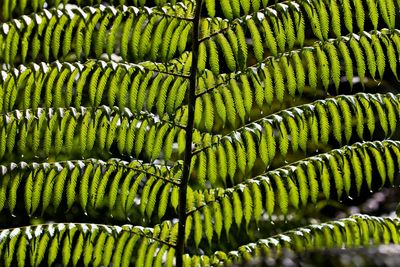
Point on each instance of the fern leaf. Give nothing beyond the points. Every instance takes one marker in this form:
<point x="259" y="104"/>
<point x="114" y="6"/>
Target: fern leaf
<point x="323" y="122"/>
<point x="202" y="55"/>
<point x="324" y="19"/>
<point x="312" y="69"/>
<point x="313" y="15"/>
<point x="303" y="186"/>
<point x="323" y="67"/>
<point x="238" y="100"/>
<point x="359" y="13"/>
<point x="282" y="195"/>
<point x="237" y="209"/>
<point x="357" y="170"/>
<point x="76" y="254"/>
<point x="227" y="52"/>
<point x="242" y="48"/>
<point x="373" y="13"/>
<point x="256" y="38"/>
<point x="278" y="81"/>
<point x="126" y="35"/>
<point x="290" y="76"/>
<point x="370" y="116"/>
<point x="153" y="198"/>
<point x="303" y="130"/>
<point x="241" y="156"/>
<point x="378" y="158"/>
<point x="270" y="197"/>
<point x="337" y="176"/>
<point x="56" y="38"/>
<point x="247" y="94"/>
<point x="213" y="56"/>
<point x="113" y="32"/>
<point x="218" y="219"/>
<point x="226" y="9"/>
<point x="380" y="55"/>
<point x="347" y="14"/>
<point x="257" y="201"/>
<point x="198" y="229"/>
<point x="348" y="63"/>
<point x="334" y="65"/>
<point x="211" y="9"/>
<point x="268" y="85"/>
<point x="263" y="149"/>
<point x="28" y="193"/>
<point x="251" y="151"/>
<point x="269" y="37"/>
<point x="149" y="141"/>
<point x="366" y="159"/>
<point x="369" y="54"/>
<point x="93" y="20"/>
<point x="314" y="187"/>
<point x="21" y="251"/>
<point x="336" y="121"/>
<point x="294" y="132"/>
<point x="258" y="90"/>
<point x="347" y="119"/>
<point x="145" y="200"/>
<point x="299" y="72"/>
<point x="358" y="54"/>
<point x="293" y="192"/>
<point x="212" y="170"/>
<point x="208" y="113"/>
<point x="247" y="206"/>
<point x="335" y="17"/>
<point x="220" y="107"/>
<point x="228" y="214"/>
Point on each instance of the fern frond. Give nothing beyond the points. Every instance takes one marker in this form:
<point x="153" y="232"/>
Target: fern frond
<point x="26" y="7"/>
<point x="99" y="22"/>
<point x="46" y="186"/>
<point x="278" y="78"/>
<point x="306" y="180"/>
<point x="339" y="234"/>
<point x="279" y="19"/>
<point x="274" y="134"/>
<point x="51" y="80"/>
<point x="207" y="106"/>
<point x="78" y="243"/>
<point x="38" y="127"/>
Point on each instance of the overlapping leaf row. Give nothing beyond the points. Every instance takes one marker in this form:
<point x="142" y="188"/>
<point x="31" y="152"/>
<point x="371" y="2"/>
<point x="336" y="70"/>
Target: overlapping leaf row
<point x="230" y="99"/>
<point x="83" y="131"/>
<point x="13" y="8"/>
<point x="88" y="244"/>
<point x="92" y="84"/>
<point x="330" y="121"/>
<point x="281" y="27"/>
<point x="93" y="31"/>
<point x="110" y="188"/>
<point x="347" y="171"/>
<point x="358" y="230"/>
<point x="349" y="11"/>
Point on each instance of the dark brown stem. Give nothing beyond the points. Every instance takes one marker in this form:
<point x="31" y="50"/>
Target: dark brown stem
<point x="180" y="245"/>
